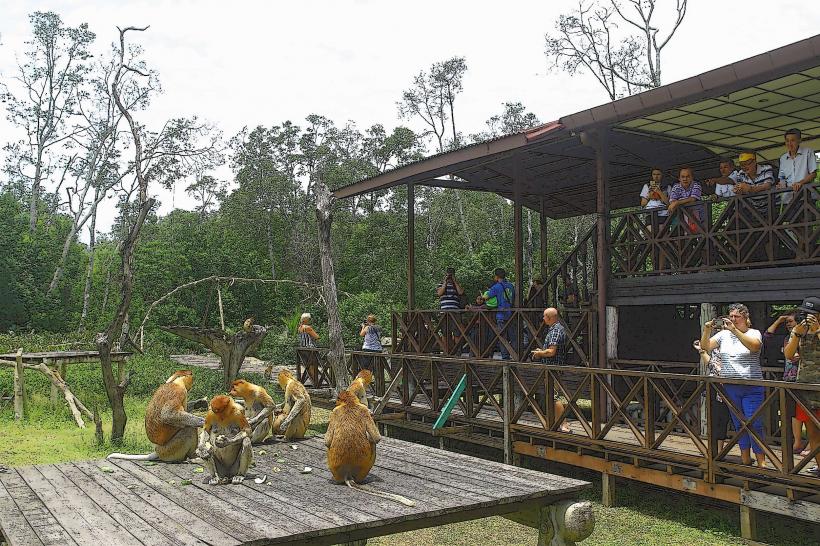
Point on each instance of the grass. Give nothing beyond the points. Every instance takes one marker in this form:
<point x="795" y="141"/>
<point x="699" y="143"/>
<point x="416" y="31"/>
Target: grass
<point x="644" y="515"/>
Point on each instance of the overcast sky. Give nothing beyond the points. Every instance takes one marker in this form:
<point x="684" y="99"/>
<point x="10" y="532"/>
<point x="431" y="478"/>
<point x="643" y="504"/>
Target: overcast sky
<point x="254" y="62"/>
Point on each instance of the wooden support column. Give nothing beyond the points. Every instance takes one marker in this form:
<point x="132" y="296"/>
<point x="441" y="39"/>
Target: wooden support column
<point x="545" y="267"/>
<point x="411" y="247"/>
<point x="600" y="143"/>
<point x="519" y="243"/>
<point x="507" y="394"/>
<point x="748" y="522"/>
<point x="607" y="489"/>
<point x="19" y="387"/>
<point x="707" y="313"/>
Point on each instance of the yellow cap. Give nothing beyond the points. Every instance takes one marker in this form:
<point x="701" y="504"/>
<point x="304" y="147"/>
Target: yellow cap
<point x="746" y="156"/>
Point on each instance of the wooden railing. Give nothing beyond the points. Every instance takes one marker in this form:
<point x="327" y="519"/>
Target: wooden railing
<point x="572" y="283"/>
<point x="646" y="416"/>
<point x="477" y="334"/>
<point x="721" y="235"/>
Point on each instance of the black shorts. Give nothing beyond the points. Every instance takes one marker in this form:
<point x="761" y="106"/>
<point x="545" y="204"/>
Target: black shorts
<point x="720" y="418"/>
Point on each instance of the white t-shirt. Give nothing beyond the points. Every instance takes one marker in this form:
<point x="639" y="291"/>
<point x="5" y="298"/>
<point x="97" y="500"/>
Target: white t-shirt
<point x="655" y="203"/>
<point x="736" y="360"/>
<point x="726" y="190"/>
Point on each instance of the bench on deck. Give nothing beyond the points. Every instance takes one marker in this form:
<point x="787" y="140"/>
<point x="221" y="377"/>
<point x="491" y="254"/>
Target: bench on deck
<point x="138" y="503"/>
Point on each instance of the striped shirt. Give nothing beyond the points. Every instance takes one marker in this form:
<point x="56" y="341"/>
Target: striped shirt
<point x="736" y="360"/>
<point x="679" y="193"/>
<point x="450" y="298"/>
<point x="305" y="340"/>
<point x="764" y="174"/>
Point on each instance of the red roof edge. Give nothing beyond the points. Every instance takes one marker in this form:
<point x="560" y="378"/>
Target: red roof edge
<point x="537" y="132"/>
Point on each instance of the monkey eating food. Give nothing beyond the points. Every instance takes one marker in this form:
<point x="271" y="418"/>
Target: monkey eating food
<point x="295" y="417"/>
<point x="168" y="425"/>
<point x="259" y="408"/>
<point x="225" y="443"/>
<point x="351" y="440"/>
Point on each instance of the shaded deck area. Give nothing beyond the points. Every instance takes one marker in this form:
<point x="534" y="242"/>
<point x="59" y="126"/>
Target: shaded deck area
<point x="138" y="503"/>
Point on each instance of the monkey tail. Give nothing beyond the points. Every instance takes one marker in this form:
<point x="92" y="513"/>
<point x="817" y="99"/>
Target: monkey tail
<point x="370" y="491"/>
<point x="128" y="457"/>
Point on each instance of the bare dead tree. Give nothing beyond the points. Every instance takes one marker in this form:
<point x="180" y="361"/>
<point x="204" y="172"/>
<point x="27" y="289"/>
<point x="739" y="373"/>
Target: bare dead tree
<point x="590" y="40"/>
<point x="115" y="391"/>
<point x="324" y="218"/>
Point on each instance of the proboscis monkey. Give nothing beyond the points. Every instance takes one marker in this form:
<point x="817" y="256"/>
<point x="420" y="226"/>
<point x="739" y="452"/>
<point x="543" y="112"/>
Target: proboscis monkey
<point x="168" y="425"/>
<point x="351" y="440"/>
<point x="247" y="326"/>
<point x="359" y="385"/>
<point x="259" y="408"/>
<point x="295" y="417"/>
<point x="225" y="444"/>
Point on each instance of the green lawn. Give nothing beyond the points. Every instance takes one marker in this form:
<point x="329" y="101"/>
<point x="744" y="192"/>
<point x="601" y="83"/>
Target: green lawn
<point x="644" y="515"/>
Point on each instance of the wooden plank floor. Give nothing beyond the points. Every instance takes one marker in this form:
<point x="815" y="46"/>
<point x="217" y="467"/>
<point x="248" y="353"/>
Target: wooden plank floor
<point x="135" y="503"/>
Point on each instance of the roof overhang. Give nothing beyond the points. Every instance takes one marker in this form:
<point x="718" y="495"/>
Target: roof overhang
<point x="744" y="105"/>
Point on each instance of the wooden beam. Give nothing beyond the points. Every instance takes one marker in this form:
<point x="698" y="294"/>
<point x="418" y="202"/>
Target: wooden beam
<point x="748" y="523"/>
<point x="607" y="489"/>
<point x="545" y="267"/>
<point x="447" y="431"/>
<point x="19" y="387"/>
<point x="411" y="247"/>
<point x="808" y="511"/>
<point x="519" y="242"/>
<point x="390" y="416"/>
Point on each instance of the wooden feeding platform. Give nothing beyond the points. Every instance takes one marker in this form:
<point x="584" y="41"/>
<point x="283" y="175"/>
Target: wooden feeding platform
<point x="125" y="502"/>
<point x="66" y="357"/>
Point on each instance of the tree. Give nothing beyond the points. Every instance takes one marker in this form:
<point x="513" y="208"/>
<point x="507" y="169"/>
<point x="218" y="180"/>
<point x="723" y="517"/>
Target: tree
<point x="587" y="40"/>
<point x="50" y="82"/>
<point x="207" y="191"/>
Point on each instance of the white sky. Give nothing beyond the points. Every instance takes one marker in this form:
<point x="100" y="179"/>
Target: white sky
<point x="256" y="62"/>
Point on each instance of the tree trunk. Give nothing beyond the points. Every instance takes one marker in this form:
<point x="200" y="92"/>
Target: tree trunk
<point x="231" y="349"/>
<point x="89" y="274"/>
<point x="35" y="191"/>
<point x="463" y="219"/>
<point x="271" y="253"/>
<point x="58" y="272"/>
<point x="336" y="355"/>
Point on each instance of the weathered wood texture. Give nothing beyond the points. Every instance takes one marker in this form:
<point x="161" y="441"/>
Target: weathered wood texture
<point x="134" y="503"/>
<point x="66" y="357"/>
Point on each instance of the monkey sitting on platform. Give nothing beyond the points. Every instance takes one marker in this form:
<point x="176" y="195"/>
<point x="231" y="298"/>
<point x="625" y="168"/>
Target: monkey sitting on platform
<point x="168" y="425"/>
<point x="259" y="408"/>
<point x="225" y="443"/>
<point x="295" y="417"/>
<point x="351" y="440"/>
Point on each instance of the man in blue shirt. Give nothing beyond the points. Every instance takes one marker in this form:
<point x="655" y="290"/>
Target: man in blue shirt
<point x="504" y="292"/>
<point x="554" y="352"/>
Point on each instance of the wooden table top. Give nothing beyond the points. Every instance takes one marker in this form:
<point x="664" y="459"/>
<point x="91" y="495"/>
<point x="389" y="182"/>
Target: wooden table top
<point x="135" y="503"/>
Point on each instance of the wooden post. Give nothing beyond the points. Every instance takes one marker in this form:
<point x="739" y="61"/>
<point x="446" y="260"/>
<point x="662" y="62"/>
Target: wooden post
<point x="545" y="266"/>
<point x="221" y="313"/>
<point x="607" y="489"/>
<point x="707" y="313"/>
<point x="748" y="523"/>
<point x="19" y="387"/>
<point x="611" y="332"/>
<point x="519" y="246"/>
<point x="54" y="393"/>
<point x="63" y="369"/>
<point x="411" y="247"/>
<point x="507" y="393"/>
<point x="601" y="145"/>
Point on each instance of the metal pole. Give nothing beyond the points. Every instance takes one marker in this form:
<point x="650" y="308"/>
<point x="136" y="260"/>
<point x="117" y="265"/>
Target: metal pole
<point x="411" y="247"/>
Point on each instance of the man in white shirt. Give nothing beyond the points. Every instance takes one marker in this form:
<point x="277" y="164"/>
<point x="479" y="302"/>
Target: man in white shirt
<point x="724" y="185"/>
<point x="798" y="166"/>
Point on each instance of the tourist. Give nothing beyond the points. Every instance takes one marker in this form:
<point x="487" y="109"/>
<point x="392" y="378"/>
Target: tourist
<point x="725" y="183"/>
<point x="798" y="166"/>
<point x="449" y="292"/>
<point x="805" y="338"/>
<point x="568" y="294"/>
<point x="719" y="428"/>
<point x="740" y="346"/>
<point x="653" y="195"/>
<point x="687" y="192"/>
<point x="307" y="335"/>
<point x="554" y="352"/>
<point x="753" y="178"/>
<point x="504" y="293"/>
<point x="372" y="334"/>
<point x="789" y="370"/>
<point x="536" y="296"/>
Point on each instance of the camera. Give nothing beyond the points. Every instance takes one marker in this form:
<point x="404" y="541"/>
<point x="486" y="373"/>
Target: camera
<point x="717" y="324"/>
<point x="800" y="316"/>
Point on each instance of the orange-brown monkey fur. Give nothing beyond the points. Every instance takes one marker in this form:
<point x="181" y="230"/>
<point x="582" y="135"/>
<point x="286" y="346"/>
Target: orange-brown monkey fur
<point x="360" y="384"/>
<point x="168" y="425"/>
<point x="351" y="440"/>
<point x="295" y="417"/>
<point x="225" y="445"/>
<point x="259" y="408"/>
